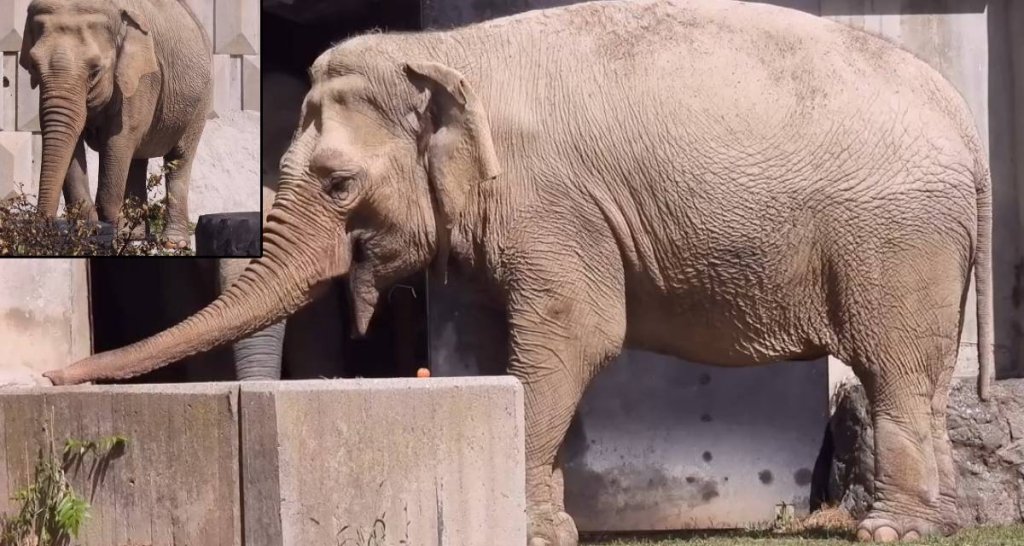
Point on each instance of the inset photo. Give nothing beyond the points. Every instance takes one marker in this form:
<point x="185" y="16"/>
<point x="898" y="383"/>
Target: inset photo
<point x="130" y="128"/>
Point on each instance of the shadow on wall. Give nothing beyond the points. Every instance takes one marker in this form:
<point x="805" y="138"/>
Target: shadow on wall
<point x="1006" y="151"/>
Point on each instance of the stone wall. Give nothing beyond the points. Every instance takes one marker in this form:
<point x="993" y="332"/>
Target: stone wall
<point x="225" y="177"/>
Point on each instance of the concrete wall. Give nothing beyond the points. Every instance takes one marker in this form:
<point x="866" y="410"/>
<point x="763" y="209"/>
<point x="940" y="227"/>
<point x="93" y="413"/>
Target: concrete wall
<point x="225" y="177"/>
<point x="437" y="461"/>
<point x="44" y="316"/>
<point x="177" y="480"/>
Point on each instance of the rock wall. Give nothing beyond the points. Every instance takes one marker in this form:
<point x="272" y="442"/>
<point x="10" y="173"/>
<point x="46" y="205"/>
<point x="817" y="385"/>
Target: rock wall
<point x="988" y="450"/>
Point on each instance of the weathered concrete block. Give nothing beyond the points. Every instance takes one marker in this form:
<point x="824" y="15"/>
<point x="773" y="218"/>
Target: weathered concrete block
<point x="12" y="23"/>
<point x="8" y="92"/>
<point x="238" y="27"/>
<point x="436" y="461"/>
<point x="44" y="313"/>
<point x="227" y="85"/>
<point x="28" y="103"/>
<point x="15" y="161"/>
<point x="988" y="452"/>
<point x="251" y="83"/>
<point x="176" y="481"/>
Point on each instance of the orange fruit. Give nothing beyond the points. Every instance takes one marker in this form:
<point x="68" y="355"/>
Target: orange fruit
<point x="423" y="372"/>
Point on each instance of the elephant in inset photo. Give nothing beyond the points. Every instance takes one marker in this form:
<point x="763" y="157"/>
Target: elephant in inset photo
<point x="724" y="182"/>
<point x="130" y="78"/>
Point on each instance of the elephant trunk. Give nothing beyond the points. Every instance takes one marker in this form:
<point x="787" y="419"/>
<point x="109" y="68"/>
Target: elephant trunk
<point x="288" y="275"/>
<point x="62" y="113"/>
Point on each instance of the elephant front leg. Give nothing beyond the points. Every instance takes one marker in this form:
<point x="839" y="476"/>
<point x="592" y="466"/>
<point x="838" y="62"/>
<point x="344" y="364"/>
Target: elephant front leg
<point x="556" y="348"/>
<point x="116" y="166"/>
<point x="176" y="229"/>
<point x="76" y="185"/>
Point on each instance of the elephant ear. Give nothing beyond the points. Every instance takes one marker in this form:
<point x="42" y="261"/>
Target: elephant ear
<point x="28" y="41"/>
<point x="455" y="139"/>
<point x="136" y="55"/>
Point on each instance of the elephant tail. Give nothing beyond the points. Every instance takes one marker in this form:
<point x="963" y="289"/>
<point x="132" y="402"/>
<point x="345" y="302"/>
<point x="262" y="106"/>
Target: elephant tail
<point x="983" y="285"/>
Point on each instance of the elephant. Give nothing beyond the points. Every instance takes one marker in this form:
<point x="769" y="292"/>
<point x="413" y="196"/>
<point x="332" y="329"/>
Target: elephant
<point x="130" y="78"/>
<point x="726" y="182"/>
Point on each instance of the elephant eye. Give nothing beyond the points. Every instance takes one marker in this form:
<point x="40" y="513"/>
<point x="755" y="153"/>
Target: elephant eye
<point x="337" y="184"/>
<point x="95" y="73"/>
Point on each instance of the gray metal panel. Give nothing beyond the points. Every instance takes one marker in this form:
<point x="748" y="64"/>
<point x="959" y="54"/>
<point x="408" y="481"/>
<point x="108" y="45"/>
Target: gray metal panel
<point x="659" y="443"/>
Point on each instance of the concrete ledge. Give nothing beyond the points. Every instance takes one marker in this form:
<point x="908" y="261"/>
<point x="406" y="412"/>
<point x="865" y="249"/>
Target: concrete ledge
<point x="424" y="461"/>
<point x="436" y="461"/>
<point x="175" y="483"/>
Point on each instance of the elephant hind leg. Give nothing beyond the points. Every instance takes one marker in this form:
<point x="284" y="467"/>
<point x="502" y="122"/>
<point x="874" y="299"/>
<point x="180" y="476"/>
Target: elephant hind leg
<point x="179" y="175"/>
<point x="944" y="454"/>
<point x="901" y="340"/>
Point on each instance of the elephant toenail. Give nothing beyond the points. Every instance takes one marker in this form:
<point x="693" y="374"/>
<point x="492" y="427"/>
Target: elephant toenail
<point x="863" y="535"/>
<point x="911" y="536"/>
<point x="886" y="534"/>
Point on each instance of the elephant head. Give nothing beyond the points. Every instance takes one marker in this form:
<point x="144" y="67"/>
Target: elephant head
<point x="81" y="53"/>
<point x="388" y="156"/>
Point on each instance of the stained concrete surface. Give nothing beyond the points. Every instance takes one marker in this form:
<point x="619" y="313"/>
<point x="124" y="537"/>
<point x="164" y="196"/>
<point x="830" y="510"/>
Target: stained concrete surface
<point x="429" y="461"/>
<point x="175" y="482"/>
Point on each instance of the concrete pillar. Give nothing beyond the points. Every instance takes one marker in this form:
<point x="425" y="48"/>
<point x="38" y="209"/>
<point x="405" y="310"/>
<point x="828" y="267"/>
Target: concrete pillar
<point x="237" y="29"/>
<point x="12" y="23"/>
<point x="227" y="85"/>
<point x="251" y="83"/>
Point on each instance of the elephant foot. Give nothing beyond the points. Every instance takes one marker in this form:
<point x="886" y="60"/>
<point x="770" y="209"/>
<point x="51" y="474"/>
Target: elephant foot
<point x="174" y="238"/>
<point x="882" y="527"/>
<point x="552" y="529"/>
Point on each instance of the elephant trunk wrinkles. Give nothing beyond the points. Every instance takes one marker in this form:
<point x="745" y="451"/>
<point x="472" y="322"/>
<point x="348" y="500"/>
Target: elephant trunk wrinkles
<point x="288" y="275"/>
<point x="62" y="115"/>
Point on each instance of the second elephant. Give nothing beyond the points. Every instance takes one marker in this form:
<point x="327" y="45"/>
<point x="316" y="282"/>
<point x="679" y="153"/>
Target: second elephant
<point x="130" y="78"/>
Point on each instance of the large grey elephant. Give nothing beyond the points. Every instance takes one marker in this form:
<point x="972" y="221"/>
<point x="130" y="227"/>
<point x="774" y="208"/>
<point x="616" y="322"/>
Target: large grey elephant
<point x="132" y="79"/>
<point x="725" y="182"/>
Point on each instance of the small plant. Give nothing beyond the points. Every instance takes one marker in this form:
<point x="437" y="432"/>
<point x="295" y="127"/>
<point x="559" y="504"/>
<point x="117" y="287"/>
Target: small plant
<point x="24" y="232"/>
<point x="51" y="512"/>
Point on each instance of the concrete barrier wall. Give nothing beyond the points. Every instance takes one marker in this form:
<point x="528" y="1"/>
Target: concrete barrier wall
<point x="225" y="175"/>
<point x="176" y="481"/>
<point x="436" y="461"/>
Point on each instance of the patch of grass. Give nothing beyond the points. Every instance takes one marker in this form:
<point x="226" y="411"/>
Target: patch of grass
<point x="51" y="512"/>
<point x="826" y="527"/>
<point x="24" y="232"/>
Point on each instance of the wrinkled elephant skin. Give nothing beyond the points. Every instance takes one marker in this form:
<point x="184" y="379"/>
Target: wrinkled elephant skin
<point x="729" y="183"/>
